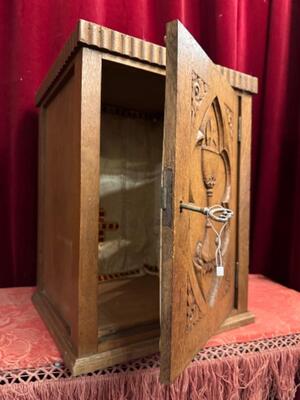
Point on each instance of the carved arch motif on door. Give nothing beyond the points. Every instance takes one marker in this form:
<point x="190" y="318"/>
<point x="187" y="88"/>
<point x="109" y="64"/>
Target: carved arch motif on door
<point x="214" y="173"/>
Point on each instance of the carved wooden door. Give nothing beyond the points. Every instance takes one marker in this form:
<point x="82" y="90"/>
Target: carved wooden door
<point x="200" y="169"/>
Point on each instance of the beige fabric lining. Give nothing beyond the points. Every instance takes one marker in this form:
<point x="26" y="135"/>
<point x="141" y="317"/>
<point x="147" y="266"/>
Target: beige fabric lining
<point x="130" y="174"/>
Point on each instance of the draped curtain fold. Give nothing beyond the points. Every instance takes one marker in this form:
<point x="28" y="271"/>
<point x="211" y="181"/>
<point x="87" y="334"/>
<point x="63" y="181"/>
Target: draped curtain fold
<point x="259" y="37"/>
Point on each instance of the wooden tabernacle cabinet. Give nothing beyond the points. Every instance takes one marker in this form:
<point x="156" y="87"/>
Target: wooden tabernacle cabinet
<point x="132" y="138"/>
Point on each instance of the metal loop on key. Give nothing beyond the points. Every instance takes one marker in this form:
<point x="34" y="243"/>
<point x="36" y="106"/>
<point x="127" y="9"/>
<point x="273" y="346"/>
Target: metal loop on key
<point x="219" y="213"/>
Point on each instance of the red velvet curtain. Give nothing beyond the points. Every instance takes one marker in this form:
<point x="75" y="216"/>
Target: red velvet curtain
<point x="259" y="37"/>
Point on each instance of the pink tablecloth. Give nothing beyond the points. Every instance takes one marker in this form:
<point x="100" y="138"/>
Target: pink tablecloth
<point x="27" y="348"/>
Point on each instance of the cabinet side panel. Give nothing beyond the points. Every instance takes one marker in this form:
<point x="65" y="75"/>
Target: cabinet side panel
<point x="59" y="198"/>
<point x="244" y="201"/>
<point x="89" y="63"/>
<point x="41" y="201"/>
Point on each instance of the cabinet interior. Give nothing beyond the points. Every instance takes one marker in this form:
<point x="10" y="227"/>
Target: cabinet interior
<point x="131" y="142"/>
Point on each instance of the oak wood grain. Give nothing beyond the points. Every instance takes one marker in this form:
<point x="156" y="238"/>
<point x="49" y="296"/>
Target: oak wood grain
<point x="88" y="34"/>
<point x="89" y="98"/>
<point x="244" y="201"/>
<point x="126" y="303"/>
<point x="206" y="106"/>
<point x="200" y="145"/>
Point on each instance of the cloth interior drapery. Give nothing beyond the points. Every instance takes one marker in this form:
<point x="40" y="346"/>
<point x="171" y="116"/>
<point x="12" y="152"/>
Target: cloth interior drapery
<point x="130" y="180"/>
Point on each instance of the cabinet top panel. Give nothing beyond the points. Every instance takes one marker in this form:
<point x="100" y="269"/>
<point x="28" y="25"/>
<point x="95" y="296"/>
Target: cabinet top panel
<point x="88" y="34"/>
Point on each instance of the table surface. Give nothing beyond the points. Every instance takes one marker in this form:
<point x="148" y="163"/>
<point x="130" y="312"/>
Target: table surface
<point x="26" y="343"/>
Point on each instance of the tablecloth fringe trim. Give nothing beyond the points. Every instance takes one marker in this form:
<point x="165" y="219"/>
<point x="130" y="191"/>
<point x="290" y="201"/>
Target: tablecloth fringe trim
<point x="267" y="369"/>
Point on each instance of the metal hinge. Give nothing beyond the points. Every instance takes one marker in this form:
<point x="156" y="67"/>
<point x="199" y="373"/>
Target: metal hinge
<point x="163" y="197"/>
<point x="236" y="277"/>
<point x="166" y="197"/>
<point x="240" y="129"/>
